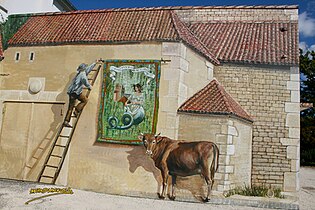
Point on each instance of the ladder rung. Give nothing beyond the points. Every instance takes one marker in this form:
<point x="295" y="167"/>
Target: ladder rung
<point x="58" y="156"/>
<point x="45" y="176"/>
<point x="90" y="78"/>
<point x="62" y="136"/>
<point x="51" y="166"/>
<point x="94" y="70"/>
<point x="58" y="145"/>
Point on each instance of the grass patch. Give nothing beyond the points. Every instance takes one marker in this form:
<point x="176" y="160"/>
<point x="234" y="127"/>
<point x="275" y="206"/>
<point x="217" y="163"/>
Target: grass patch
<point x="260" y="191"/>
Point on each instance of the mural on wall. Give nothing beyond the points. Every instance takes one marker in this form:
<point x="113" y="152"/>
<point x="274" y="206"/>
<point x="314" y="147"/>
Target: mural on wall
<point x="129" y="101"/>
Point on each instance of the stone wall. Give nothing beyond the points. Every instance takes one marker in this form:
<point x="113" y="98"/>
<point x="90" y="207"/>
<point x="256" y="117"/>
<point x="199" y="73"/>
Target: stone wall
<point x="208" y="14"/>
<point x="271" y="96"/>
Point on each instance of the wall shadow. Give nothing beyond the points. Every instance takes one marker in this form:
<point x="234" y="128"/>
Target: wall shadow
<point x="137" y="158"/>
<point x="194" y="184"/>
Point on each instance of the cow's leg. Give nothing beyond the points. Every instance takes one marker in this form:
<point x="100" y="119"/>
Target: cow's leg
<point x="164" y="172"/>
<point x="173" y="195"/>
<point x="209" y="182"/>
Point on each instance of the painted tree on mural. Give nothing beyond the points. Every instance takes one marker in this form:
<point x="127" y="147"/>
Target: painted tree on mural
<point x="307" y="68"/>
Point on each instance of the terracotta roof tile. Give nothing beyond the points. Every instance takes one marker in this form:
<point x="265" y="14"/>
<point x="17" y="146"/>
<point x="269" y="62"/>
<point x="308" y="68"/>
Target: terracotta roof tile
<point x="96" y="27"/>
<point x="262" y="43"/>
<point x="213" y="99"/>
<point x="190" y="39"/>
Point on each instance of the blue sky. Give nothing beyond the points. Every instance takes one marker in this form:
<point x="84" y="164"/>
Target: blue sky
<point x="306" y="10"/>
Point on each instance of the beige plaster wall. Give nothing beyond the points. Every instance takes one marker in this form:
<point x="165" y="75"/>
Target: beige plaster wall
<point x="241" y="146"/>
<point x="232" y="136"/>
<point x="186" y="74"/>
<point x="58" y="63"/>
<point x="96" y="166"/>
<point x="25" y="138"/>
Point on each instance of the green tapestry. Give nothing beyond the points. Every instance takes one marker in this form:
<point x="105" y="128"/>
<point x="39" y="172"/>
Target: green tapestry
<point x="129" y="101"/>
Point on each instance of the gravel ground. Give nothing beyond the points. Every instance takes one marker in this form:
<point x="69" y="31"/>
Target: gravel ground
<point x="14" y="194"/>
<point x="307" y="185"/>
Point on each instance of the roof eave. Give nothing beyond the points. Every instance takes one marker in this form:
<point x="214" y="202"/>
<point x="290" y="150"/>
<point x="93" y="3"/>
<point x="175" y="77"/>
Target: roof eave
<point x="231" y="114"/>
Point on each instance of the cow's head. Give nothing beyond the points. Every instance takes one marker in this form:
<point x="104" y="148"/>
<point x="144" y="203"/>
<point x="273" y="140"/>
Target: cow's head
<point x="149" y="141"/>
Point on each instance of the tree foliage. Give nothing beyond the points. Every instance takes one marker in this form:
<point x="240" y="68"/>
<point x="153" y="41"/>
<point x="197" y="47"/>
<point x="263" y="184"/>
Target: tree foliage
<point x="307" y="68"/>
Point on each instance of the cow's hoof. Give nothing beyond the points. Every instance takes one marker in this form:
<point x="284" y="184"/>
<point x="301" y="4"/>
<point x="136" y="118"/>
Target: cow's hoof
<point x="205" y="200"/>
<point x="160" y="196"/>
<point x="171" y="197"/>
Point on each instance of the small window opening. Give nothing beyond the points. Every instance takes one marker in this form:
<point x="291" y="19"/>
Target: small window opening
<point x="17" y="56"/>
<point x="32" y="55"/>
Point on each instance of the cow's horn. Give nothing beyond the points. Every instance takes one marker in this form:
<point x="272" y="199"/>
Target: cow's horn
<point x="141" y="134"/>
<point x="156" y="135"/>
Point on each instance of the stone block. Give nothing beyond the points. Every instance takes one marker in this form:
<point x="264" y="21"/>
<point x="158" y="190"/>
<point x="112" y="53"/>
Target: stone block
<point x="295" y="165"/>
<point x="292" y="107"/>
<point x="232" y="131"/>
<point x="293" y="85"/>
<point x="170" y="48"/>
<point x="293" y="152"/>
<point x="170" y="74"/>
<point x="184" y="65"/>
<point x="290" y="142"/>
<point x="229" y="139"/>
<point x="294" y="133"/>
<point x="293" y="120"/>
<point x="183" y="90"/>
<point x="295" y="96"/>
<point x="295" y="77"/>
<point x="221" y="138"/>
<point x="291" y="182"/>
<point x="183" y="50"/>
<point x="229" y="169"/>
<point x="230" y="150"/>
<point x="218" y="176"/>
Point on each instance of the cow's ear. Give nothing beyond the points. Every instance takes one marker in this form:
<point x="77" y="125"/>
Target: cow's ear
<point x="140" y="137"/>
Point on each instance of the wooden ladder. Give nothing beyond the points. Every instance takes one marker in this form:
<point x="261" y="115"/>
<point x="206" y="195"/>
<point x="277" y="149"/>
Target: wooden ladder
<point x="57" y="153"/>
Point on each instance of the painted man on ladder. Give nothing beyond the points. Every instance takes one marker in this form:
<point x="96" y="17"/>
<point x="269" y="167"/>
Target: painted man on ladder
<point x="75" y="91"/>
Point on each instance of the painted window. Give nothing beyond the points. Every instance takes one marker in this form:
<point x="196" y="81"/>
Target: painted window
<point x="17" y="56"/>
<point x="32" y="56"/>
<point x="129" y="102"/>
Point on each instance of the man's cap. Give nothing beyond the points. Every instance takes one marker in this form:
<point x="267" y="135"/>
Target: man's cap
<point x="82" y="67"/>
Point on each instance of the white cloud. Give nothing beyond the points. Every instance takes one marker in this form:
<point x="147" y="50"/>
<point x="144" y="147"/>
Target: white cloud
<point x="306" y="25"/>
<point x="312" y="48"/>
<point x="303" y="46"/>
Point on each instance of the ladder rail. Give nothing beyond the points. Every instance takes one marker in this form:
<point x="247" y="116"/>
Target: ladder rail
<point x="66" y="147"/>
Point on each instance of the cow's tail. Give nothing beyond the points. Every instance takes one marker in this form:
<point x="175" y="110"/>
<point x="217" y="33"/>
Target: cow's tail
<point x="215" y="161"/>
<point x="215" y="158"/>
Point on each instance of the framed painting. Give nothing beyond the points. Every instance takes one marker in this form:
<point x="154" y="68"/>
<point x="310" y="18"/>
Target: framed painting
<point x="129" y="101"/>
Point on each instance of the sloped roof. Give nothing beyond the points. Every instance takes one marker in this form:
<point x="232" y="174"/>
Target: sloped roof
<point x="246" y="42"/>
<point x="259" y="42"/>
<point x="96" y="26"/>
<point x="191" y="40"/>
<point x="213" y="99"/>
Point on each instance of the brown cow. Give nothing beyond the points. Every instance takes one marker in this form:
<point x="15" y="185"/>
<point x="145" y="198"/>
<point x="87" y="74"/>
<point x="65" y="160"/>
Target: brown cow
<point x="182" y="158"/>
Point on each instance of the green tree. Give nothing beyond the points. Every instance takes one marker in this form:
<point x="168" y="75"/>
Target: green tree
<point x="307" y="68"/>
